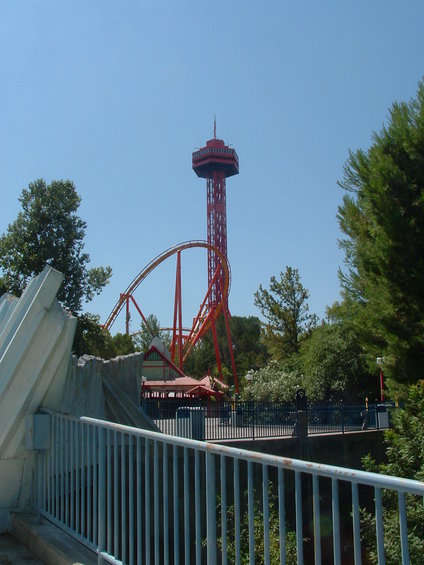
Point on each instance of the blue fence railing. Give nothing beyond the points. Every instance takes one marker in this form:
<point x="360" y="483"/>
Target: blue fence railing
<point x="254" y="420"/>
<point x="139" y="497"/>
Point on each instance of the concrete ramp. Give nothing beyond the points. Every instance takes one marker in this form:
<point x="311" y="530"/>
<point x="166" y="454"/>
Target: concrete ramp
<point x="121" y="408"/>
<point x="36" y="337"/>
<point x="107" y="389"/>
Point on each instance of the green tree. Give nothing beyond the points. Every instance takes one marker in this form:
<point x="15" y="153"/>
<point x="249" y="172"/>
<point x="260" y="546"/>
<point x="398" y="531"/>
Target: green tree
<point x="382" y="217"/>
<point x="201" y="359"/>
<point x="274" y="383"/>
<point x="248" y="348"/>
<point x="48" y="230"/>
<point x="286" y="308"/>
<point x="334" y="365"/>
<point x="122" y="344"/>
<point x="91" y="339"/>
<point x="405" y="458"/>
<point x="258" y="527"/>
<point x="147" y="332"/>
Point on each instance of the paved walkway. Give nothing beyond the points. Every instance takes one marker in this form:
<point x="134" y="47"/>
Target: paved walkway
<point x="14" y="553"/>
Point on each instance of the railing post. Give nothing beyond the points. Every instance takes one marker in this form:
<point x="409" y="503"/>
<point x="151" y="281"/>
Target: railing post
<point x="39" y="458"/>
<point x="106" y="444"/>
<point x="342" y="417"/>
<point x="299" y="517"/>
<point x="101" y="524"/>
<point x="210" y="509"/>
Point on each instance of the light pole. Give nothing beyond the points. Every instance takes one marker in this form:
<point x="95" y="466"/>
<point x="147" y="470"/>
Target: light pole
<point x="249" y="379"/>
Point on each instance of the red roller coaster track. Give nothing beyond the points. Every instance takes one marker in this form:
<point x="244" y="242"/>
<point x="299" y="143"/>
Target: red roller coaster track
<point x="184" y="340"/>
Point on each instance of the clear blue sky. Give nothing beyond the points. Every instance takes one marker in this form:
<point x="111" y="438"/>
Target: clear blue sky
<point x="115" y="95"/>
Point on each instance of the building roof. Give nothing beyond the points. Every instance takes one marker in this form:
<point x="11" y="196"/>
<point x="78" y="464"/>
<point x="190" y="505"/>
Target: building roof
<point x="167" y="360"/>
<point x="207" y="386"/>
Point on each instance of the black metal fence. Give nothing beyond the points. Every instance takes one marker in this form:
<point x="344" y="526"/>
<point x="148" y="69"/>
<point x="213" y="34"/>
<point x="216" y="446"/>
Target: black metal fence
<point x="206" y="420"/>
<point x="348" y="418"/>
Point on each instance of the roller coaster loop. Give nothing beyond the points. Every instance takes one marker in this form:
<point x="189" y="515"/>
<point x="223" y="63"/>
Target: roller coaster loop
<point x="183" y="340"/>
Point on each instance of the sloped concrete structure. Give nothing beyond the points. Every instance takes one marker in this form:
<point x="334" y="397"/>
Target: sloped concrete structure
<point x="106" y="389"/>
<point x="36" y="336"/>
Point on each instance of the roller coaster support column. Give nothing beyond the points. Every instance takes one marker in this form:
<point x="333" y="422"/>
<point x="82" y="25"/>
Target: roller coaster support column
<point x="127" y="298"/>
<point x="230" y="345"/>
<point x="177" y="337"/>
<point x="127" y="314"/>
<point x="215" y="342"/>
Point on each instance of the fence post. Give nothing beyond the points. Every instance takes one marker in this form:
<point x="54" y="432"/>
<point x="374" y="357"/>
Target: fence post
<point x="302" y="414"/>
<point x="253" y="406"/>
<point x="342" y="417"/>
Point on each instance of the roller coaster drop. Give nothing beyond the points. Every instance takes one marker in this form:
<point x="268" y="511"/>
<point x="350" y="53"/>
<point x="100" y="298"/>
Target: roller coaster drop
<point x="183" y="340"/>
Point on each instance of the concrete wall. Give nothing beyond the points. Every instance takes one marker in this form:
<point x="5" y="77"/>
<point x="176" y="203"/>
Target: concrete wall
<point x="38" y="372"/>
<point x="106" y="389"/>
<point x="36" y="337"/>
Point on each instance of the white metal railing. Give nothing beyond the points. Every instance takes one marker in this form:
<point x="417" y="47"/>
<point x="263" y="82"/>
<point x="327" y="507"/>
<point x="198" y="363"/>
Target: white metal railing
<point x="140" y="497"/>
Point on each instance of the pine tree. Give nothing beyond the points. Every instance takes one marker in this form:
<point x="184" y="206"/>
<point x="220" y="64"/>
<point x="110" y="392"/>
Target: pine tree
<point x="382" y="217"/>
<point x="286" y="309"/>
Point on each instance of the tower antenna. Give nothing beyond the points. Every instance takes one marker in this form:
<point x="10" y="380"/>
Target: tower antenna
<point x="214" y="126"/>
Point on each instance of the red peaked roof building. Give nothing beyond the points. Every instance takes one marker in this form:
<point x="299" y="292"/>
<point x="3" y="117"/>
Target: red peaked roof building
<point x="163" y="379"/>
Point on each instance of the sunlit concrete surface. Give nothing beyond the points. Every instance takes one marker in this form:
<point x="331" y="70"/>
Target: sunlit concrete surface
<point x="47" y="543"/>
<point x="36" y="336"/>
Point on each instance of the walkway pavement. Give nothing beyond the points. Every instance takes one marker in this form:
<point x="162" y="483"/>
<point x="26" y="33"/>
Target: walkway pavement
<point x="14" y="553"/>
<point x="30" y="539"/>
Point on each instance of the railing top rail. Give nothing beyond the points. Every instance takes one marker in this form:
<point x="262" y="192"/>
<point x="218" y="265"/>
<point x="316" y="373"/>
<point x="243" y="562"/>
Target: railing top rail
<point x="329" y="471"/>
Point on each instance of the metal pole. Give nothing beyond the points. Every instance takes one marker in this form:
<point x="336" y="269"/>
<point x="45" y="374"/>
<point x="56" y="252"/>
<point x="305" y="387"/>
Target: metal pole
<point x="210" y="509"/>
<point x="102" y="496"/>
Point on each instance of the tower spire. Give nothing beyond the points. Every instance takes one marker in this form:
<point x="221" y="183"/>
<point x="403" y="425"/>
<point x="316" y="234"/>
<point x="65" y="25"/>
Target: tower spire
<point x="214" y="126"/>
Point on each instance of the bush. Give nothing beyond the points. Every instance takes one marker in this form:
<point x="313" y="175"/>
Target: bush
<point x="405" y="458"/>
<point x="258" y="522"/>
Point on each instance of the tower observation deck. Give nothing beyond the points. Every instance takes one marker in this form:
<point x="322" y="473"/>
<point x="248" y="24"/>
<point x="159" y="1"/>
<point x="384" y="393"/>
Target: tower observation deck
<point x="215" y="162"/>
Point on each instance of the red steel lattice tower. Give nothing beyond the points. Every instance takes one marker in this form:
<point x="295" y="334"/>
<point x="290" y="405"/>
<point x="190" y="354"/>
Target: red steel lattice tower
<point x="215" y="162"/>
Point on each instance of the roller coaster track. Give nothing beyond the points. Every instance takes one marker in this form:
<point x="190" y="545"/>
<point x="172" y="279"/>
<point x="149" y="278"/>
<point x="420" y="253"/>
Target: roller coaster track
<point x="135" y="283"/>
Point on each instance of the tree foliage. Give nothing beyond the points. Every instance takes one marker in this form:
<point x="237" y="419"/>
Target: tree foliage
<point x="248" y="348"/>
<point x="123" y="344"/>
<point x="143" y="338"/>
<point x="48" y="231"/>
<point x="405" y="458"/>
<point x="286" y="308"/>
<point x="91" y="339"/>
<point x="258" y="528"/>
<point x="382" y="217"/>
<point x="334" y="365"/>
<point x="273" y="383"/>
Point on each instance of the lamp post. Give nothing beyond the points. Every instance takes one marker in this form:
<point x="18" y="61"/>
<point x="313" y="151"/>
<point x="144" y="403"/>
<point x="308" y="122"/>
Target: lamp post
<point x="142" y="391"/>
<point x="380" y="362"/>
<point x="249" y="379"/>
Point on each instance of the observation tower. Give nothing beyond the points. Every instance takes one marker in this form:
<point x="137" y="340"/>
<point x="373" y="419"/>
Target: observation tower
<point x="215" y="162"/>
